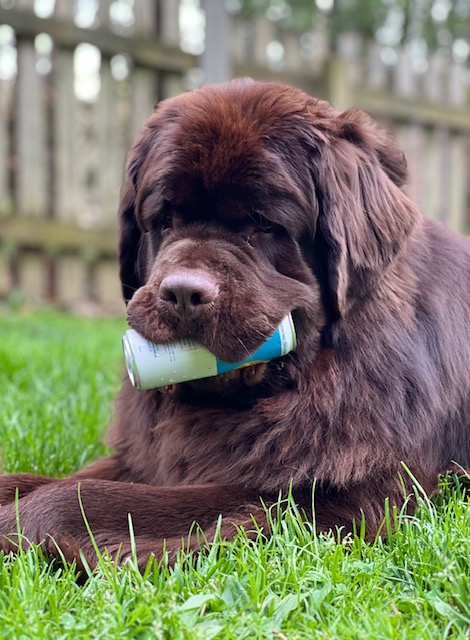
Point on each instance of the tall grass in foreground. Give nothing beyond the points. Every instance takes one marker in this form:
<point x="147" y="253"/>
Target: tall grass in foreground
<point x="58" y="375"/>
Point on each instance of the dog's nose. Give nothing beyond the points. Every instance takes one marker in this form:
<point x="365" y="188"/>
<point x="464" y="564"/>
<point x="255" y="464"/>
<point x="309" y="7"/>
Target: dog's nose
<point x="188" y="292"/>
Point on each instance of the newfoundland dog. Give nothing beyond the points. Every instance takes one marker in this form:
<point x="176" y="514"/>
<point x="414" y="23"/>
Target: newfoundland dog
<point x="243" y="202"/>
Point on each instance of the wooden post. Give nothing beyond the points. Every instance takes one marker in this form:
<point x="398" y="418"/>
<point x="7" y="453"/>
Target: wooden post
<point x="71" y="281"/>
<point x="6" y="99"/>
<point x="458" y="178"/>
<point x="216" y="59"/>
<point x="69" y="145"/>
<point x="337" y="86"/>
<point x="171" y="84"/>
<point x="107" y="287"/>
<point x="32" y="275"/>
<point x="4" y="269"/>
<point x="143" y="98"/>
<point x="31" y="136"/>
<point x="111" y="147"/>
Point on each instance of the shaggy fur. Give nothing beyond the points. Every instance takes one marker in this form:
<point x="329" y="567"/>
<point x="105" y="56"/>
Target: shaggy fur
<point x="243" y="202"/>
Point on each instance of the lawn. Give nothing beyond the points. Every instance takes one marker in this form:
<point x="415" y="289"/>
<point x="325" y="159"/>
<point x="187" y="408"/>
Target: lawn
<point x="58" y="375"/>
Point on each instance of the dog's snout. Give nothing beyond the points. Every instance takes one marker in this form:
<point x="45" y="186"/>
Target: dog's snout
<point x="187" y="293"/>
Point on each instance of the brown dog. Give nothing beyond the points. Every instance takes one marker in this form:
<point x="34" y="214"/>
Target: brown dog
<point x="244" y="202"/>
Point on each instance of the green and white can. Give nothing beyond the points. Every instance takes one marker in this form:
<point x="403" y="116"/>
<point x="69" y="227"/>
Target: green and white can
<point x="151" y="365"/>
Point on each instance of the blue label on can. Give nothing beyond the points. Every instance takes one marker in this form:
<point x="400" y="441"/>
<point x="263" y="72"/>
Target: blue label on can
<point x="274" y="347"/>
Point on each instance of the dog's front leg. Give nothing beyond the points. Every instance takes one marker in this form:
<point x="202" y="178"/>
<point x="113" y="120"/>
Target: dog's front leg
<point x="59" y="517"/>
<point x="13" y="485"/>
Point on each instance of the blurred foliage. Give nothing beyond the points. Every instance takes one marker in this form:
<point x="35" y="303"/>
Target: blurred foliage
<point x="434" y="24"/>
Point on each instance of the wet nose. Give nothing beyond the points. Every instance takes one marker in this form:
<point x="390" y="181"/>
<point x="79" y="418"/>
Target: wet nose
<point x="187" y="293"/>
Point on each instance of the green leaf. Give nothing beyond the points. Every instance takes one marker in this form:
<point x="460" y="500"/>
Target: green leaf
<point x="288" y="604"/>
<point x="198" y="601"/>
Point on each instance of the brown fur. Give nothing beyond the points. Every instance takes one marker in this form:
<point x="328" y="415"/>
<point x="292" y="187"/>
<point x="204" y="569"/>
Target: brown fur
<point x="271" y="201"/>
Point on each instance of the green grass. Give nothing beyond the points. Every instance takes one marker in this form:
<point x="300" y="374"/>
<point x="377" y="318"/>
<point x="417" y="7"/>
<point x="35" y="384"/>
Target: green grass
<point x="58" y="375"/>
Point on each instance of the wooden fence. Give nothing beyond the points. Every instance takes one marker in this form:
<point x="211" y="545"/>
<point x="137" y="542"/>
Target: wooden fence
<point x="64" y="132"/>
<point x="423" y="100"/>
<point x="69" y="111"/>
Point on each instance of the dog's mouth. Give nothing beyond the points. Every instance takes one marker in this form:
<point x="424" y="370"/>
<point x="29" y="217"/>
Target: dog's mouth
<point x="237" y="379"/>
<point x="237" y="389"/>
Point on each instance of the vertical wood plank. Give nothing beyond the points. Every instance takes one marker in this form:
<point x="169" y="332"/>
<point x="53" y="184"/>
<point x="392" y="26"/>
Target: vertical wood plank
<point x="69" y="152"/>
<point x="459" y="172"/>
<point x="70" y="281"/>
<point x="458" y="87"/>
<point x="107" y="287"/>
<point x="6" y="106"/>
<point x="169" y="22"/>
<point x="169" y="33"/>
<point x="444" y="176"/>
<point x="112" y="144"/>
<point x="433" y="80"/>
<point x="293" y="59"/>
<point x="145" y="15"/>
<point x="143" y="97"/>
<point x="32" y="276"/>
<point x="241" y="36"/>
<point x="103" y="14"/>
<point x="433" y="175"/>
<point x="376" y="77"/>
<point x="264" y="33"/>
<point x="349" y="46"/>
<point x="4" y="273"/>
<point x="215" y="59"/>
<point x="412" y="139"/>
<point x="31" y="136"/>
<point x="405" y="84"/>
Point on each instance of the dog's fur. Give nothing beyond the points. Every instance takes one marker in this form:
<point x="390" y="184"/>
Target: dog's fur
<point x="260" y="200"/>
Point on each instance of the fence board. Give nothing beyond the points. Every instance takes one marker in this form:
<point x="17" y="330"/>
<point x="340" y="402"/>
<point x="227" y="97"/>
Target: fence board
<point x="172" y="83"/>
<point x="143" y="98"/>
<point x="69" y="157"/>
<point x="107" y="287"/>
<point x="459" y="173"/>
<point x="71" y="280"/>
<point x="104" y="19"/>
<point x="5" y="284"/>
<point x="6" y="106"/>
<point x="433" y="174"/>
<point x="405" y="84"/>
<point x="112" y="143"/>
<point x="31" y="196"/>
<point x="145" y="13"/>
<point x="32" y="274"/>
<point x="412" y="139"/>
<point x="169" y="22"/>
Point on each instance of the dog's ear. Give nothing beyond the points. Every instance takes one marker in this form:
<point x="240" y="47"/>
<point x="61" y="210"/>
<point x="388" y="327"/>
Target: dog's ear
<point x="132" y="245"/>
<point x="130" y="237"/>
<point x="364" y="218"/>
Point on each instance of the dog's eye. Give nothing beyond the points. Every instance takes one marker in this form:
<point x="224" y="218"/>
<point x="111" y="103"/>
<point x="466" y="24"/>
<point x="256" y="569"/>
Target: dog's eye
<point x="257" y="231"/>
<point x="260" y="224"/>
<point x="167" y="223"/>
<point x="265" y="227"/>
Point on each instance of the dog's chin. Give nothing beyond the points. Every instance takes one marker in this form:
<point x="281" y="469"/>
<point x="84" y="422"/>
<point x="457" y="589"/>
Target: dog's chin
<point x="228" y="383"/>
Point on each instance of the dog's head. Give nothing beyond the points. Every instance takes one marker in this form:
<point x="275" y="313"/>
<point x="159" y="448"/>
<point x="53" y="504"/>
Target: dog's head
<point x="246" y="201"/>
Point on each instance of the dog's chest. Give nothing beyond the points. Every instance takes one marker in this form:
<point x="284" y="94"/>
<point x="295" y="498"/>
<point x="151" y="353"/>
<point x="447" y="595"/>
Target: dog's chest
<point x="264" y="447"/>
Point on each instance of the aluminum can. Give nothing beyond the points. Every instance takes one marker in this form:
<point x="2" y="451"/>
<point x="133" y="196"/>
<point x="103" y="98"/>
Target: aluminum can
<point x="151" y="365"/>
